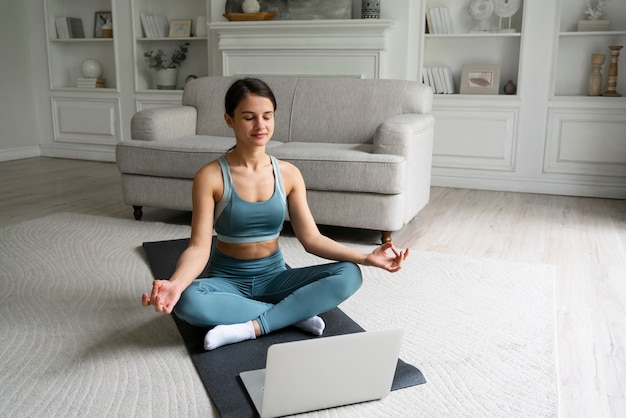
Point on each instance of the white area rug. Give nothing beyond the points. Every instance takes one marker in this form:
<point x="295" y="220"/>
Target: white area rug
<point x="75" y="340"/>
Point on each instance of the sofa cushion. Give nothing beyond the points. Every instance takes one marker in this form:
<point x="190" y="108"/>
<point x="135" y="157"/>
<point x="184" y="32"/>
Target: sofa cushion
<point x="179" y="158"/>
<point x="349" y="110"/>
<point x="345" y="167"/>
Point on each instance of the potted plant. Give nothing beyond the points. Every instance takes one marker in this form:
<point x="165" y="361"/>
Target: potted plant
<point x="166" y="67"/>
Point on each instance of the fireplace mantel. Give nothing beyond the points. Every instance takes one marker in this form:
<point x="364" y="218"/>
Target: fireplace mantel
<point x="351" y="48"/>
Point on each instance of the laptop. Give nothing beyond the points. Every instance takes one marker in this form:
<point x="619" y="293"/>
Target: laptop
<point x="309" y="375"/>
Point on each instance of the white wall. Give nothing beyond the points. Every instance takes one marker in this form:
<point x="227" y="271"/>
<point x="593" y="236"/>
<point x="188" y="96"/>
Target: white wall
<point x="20" y="133"/>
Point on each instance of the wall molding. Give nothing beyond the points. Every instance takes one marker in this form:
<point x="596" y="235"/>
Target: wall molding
<point x="10" y="154"/>
<point x="313" y="47"/>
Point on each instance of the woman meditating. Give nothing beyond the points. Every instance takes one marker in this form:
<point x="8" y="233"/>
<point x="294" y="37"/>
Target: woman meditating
<point x="245" y="196"/>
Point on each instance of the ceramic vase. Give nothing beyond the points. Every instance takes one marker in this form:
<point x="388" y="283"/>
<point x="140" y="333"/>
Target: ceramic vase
<point x="165" y="79"/>
<point x="595" y="79"/>
<point x="370" y="9"/>
<point x="233" y="6"/>
<point x="510" y="87"/>
<point x="611" y="90"/>
<point x="200" y="29"/>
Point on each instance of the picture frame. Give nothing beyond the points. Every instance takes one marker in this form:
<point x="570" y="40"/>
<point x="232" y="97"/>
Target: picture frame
<point x="480" y="79"/>
<point x="99" y="19"/>
<point x="180" y="28"/>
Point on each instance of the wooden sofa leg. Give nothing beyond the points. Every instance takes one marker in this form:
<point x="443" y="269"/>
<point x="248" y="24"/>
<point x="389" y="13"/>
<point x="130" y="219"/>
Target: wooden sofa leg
<point x="385" y="236"/>
<point x="138" y="212"/>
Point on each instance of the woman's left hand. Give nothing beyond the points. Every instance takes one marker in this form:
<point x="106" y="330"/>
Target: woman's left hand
<point x="387" y="257"/>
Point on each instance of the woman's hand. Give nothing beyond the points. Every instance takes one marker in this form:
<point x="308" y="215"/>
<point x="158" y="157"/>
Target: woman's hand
<point x="387" y="257"/>
<point x="164" y="296"/>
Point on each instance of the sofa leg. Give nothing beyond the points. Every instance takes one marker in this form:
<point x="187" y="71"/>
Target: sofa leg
<point x="385" y="236"/>
<point x="137" y="212"/>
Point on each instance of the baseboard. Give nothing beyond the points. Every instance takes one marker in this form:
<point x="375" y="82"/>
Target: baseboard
<point x="21" y="153"/>
<point x="588" y="188"/>
<point x="100" y="153"/>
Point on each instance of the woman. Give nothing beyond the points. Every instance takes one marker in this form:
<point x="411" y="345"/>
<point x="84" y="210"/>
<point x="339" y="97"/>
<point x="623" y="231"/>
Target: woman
<point x="245" y="195"/>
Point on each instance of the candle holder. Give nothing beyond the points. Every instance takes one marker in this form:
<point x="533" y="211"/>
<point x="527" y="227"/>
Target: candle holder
<point x="611" y="90"/>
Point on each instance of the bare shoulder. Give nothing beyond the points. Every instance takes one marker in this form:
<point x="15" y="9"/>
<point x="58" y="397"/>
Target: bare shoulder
<point x="210" y="171"/>
<point x="208" y="180"/>
<point x="288" y="169"/>
<point x="291" y="175"/>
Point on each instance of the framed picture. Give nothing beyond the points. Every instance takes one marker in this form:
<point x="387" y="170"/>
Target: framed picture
<point x="480" y="79"/>
<point x="100" y="18"/>
<point x="180" y="28"/>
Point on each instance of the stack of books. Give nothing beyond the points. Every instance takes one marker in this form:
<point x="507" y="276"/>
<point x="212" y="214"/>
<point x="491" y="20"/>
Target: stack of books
<point x="90" y="83"/>
<point x="69" y="27"/>
<point x="155" y="26"/>
<point x="439" y="79"/>
<point x="439" y="21"/>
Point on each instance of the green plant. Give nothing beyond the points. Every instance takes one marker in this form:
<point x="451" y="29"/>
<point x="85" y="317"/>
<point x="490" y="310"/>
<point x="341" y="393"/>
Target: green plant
<point x="159" y="61"/>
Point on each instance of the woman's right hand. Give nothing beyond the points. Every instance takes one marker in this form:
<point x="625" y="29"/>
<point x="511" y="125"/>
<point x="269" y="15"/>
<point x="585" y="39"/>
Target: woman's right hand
<point x="164" y="296"/>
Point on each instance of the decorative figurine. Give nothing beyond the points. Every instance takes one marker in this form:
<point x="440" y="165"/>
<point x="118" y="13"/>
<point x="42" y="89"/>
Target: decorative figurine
<point x="506" y="9"/>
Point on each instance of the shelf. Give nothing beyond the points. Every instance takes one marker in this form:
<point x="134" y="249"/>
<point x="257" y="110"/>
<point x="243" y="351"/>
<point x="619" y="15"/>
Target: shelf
<point x="473" y="35"/>
<point x="85" y="90"/>
<point x="185" y="39"/>
<point x="160" y="92"/>
<point x="82" y="40"/>
<point x="599" y="33"/>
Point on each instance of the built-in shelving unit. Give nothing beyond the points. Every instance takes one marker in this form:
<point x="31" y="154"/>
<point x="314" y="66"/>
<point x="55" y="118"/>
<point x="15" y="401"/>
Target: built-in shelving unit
<point x="88" y="122"/>
<point x="573" y="65"/>
<point x="585" y="134"/>
<point x="197" y="60"/>
<point x="475" y="133"/>
<point x="66" y="55"/>
<point x="463" y="46"/>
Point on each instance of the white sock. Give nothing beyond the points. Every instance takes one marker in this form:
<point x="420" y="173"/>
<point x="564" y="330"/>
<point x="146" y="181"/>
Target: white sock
<point x="228" y="334"/>
<point x="315" y="325"/>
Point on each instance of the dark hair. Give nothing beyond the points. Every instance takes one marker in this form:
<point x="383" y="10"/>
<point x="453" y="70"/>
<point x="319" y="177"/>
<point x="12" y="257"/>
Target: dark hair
<point x="241" y="88"/>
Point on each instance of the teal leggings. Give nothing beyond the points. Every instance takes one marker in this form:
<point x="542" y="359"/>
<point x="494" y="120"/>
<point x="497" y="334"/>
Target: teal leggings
<point x="238" y="291"/>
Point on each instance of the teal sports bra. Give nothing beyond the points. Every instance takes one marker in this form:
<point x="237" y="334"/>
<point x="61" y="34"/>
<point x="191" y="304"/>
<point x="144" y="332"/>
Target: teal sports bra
<point x="239" y="222"/>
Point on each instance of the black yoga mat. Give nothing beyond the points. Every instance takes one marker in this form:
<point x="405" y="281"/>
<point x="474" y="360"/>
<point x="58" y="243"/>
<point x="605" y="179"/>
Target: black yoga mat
<point x="219" y="369"/>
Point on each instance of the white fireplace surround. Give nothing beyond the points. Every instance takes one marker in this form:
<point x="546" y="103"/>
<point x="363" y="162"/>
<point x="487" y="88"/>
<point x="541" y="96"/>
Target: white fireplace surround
<point x="334" y="48"/>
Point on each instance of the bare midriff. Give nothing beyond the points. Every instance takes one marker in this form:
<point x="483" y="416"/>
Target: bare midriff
<point x="249" y="251"/>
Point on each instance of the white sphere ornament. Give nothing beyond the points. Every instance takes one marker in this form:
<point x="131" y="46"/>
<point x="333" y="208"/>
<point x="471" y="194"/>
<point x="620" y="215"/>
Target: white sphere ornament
<point x="250" y="6"/>
<point x="90" y="68"/>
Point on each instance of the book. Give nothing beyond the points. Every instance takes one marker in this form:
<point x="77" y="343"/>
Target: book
<point x="449" y="80"/>
<point x="85" y="83"/>
<point x="429" y="23"/>
<point x="439" y="84"/>
<point x="155" y="26"/>
<point x="446" y="20"/>
<point x="437" y="20"/>
<point x="63" y="31"/>
<point x="431" y="80"/>
<point x="75" y="26"/>
<point x="144" y="25"/>
<point x="163" y="26"/>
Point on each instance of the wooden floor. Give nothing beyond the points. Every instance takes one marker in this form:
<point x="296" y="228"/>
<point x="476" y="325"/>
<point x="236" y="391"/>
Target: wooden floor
<point x="584" y="238"/>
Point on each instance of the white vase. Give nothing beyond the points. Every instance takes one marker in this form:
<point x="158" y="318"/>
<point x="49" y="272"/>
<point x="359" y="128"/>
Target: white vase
<point x="200" y="29"/>
<point x="166" y="79"/>
<point x="250" y="6"/>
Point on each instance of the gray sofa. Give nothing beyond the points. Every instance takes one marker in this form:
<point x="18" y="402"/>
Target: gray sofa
<point x="364" y="147"/>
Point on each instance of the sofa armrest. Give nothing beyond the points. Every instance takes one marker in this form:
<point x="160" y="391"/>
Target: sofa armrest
<point x="397" y="135"/>
<point x="164" y="123"/>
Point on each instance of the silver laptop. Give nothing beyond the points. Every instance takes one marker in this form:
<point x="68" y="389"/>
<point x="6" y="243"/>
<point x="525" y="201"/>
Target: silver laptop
<point x="320" y="373"/>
